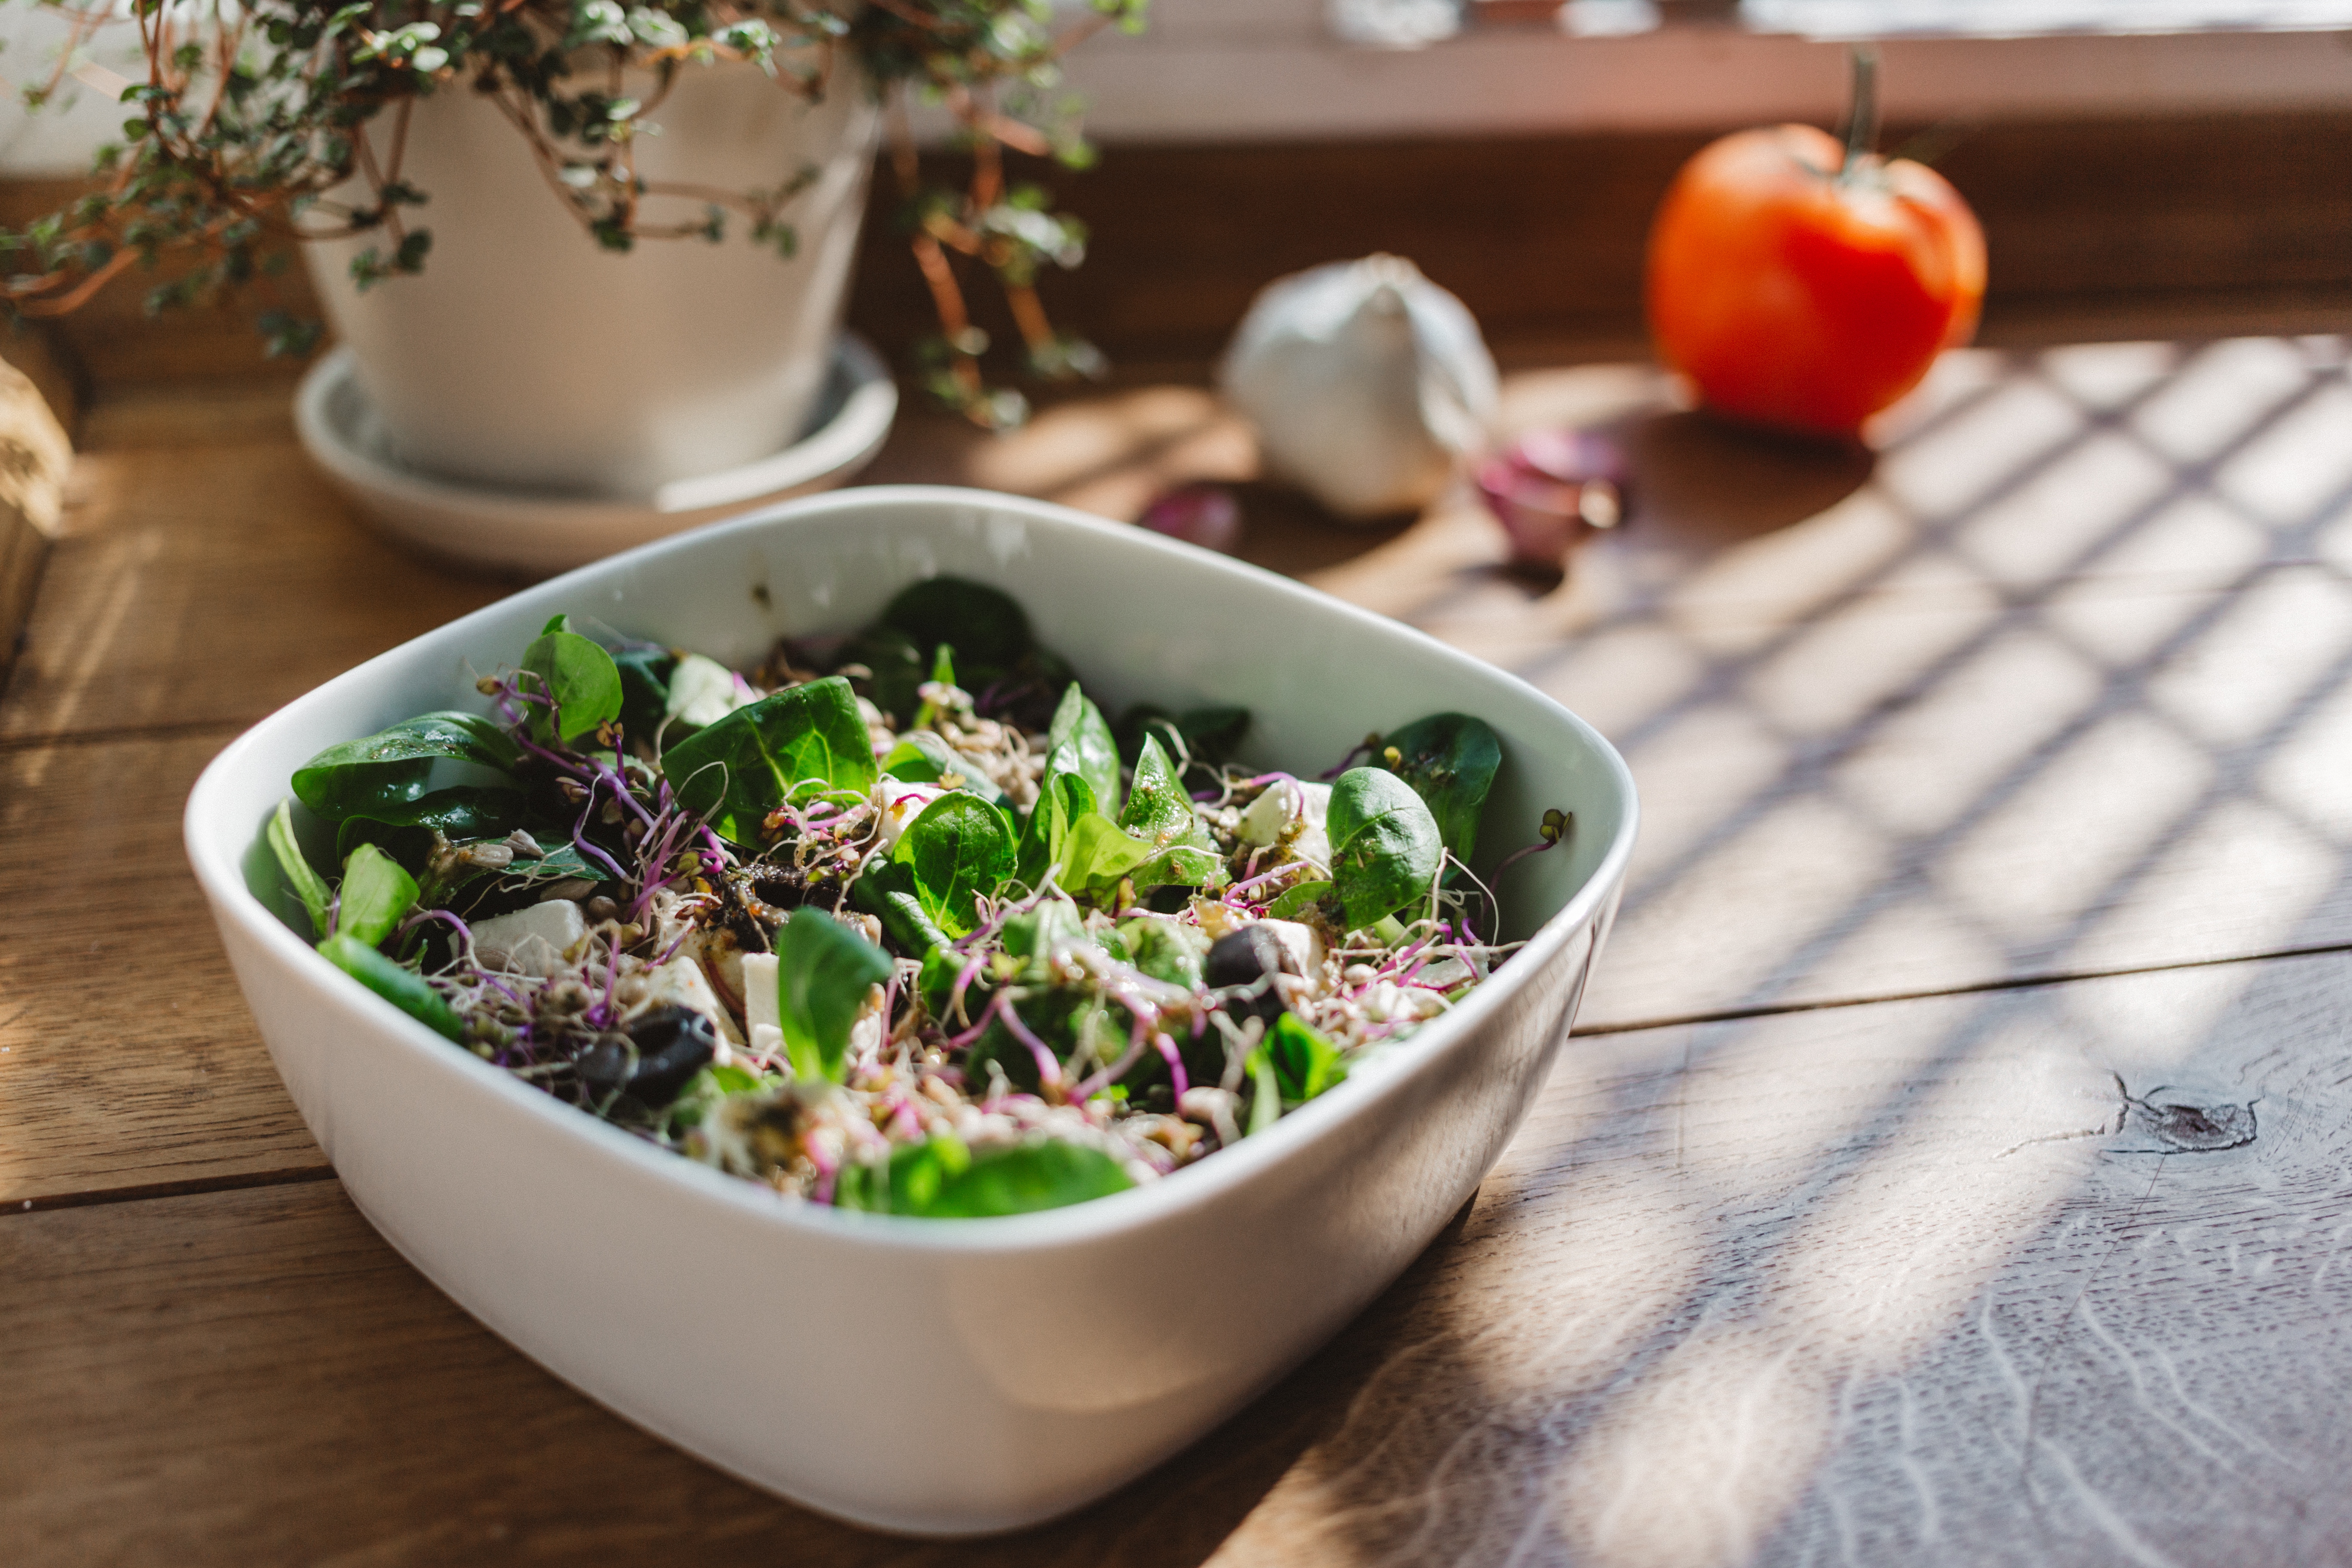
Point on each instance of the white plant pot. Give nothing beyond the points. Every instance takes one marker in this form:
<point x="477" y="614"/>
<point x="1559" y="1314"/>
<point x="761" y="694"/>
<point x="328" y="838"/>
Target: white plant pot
<point x="527" y="355"/>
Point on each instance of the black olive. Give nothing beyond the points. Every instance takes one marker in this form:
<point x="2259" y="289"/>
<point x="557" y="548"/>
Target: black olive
<point x="672" y="1044"/>
<point x="1239" y="964"/>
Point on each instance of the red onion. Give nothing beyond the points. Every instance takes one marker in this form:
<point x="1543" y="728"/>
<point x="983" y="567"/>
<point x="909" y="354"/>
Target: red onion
<point x="1550" y="489"/>
<point x="1203" y="515"/>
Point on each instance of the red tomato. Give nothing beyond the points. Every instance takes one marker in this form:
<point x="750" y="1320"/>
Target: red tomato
<point x="1795" y="298"/>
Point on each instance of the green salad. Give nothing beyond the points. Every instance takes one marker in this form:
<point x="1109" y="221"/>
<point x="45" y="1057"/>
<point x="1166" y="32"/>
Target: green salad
<point x="901" y="921"/>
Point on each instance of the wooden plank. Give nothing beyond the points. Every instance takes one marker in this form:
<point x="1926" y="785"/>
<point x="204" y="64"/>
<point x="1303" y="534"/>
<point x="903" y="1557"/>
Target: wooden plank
<point x="2042" y="695"/>
<point x="128" y="1061"/>
<point x="1956" y="1279"/>
<point x="1927" y="1282"/>
<point x="208" y="575"/>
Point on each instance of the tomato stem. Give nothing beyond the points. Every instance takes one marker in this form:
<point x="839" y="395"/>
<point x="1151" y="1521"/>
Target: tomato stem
<point x="1862" y="113"/>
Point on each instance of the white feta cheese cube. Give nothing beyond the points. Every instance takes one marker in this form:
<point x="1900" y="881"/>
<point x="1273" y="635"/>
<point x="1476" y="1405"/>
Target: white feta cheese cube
<point x="537" y="940"/>
<point x="703" y="691"/>
<point x="761" y="1002"/>
<point x="679" y="982"/>
<point x="1291" y="812"/>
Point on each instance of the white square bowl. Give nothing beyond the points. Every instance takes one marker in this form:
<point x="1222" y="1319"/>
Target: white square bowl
<point x="932" y="1376"/>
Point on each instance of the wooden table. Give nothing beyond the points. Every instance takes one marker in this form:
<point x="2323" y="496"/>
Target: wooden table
<point x="1952" y="1165"/>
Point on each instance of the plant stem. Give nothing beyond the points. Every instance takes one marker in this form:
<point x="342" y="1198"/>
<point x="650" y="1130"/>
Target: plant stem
<point x="1862" y="110"/>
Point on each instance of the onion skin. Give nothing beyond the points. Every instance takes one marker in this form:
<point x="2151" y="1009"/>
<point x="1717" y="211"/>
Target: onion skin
<point x="1203" y="515"/>
<point x="1552" y="489"/>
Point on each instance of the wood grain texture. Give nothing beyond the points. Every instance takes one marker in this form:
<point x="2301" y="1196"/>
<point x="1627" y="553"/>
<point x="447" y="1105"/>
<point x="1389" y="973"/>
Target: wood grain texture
<point x="2053" y="686"/>
<point x="2055" y="689"/>
<point x="2052" y="1275"/>
<point x="207" y="574"/>
<point x="1966" y="1279"/>
<point x="128" y="1061"/>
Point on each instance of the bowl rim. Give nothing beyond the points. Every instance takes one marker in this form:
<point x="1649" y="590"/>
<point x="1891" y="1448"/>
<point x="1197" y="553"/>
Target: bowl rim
<point x="218" y="869"/>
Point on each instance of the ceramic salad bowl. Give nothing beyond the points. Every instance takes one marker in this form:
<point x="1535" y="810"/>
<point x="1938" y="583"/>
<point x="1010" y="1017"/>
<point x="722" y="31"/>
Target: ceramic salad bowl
<point x="927" y="1375"/>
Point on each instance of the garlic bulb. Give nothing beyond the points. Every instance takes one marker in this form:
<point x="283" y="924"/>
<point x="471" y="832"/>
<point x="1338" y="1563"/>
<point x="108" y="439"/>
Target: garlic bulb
<point x="1366" y="381"/>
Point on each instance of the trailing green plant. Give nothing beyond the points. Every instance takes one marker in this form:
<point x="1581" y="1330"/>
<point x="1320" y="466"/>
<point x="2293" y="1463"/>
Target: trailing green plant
<point x="268" y="119"/>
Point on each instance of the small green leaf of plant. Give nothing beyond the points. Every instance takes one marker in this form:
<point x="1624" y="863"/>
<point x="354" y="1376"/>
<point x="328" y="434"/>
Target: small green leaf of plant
<point x="1305" y="1063"/>
<point x="923" y="757"/>
<point x="934" y="1184"/>
<point x="823" y="974"/>
<point x="1160" y="814"/>
<point x="395" y="983"/>
<point x="894" y="669"/>
<point x="887" y="892"/>
<point x="1450" y="760"/>
<point x="959" y="848"/>
<point x="459" y="811"/>
<point x="988" y="630"/>
<point x="575" y="674"/>
<point x="376" y="892"/>
<point x="1296" y="899"/>
<point x="1385" y="846"/>
<point x="1063" y="798"/>
<point x="308" y="885"/>
<point x="645" y="689"/>
<point x="1166" y="949"/>
<point x="800" y="742"/>
<point x="391" y="768"/>
<point x="1266" y="1093"/>
<point x="1080" y="742"/>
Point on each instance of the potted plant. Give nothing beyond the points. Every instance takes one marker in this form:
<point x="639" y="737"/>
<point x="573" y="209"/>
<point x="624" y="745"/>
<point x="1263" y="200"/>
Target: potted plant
<point x="574" y="242"/>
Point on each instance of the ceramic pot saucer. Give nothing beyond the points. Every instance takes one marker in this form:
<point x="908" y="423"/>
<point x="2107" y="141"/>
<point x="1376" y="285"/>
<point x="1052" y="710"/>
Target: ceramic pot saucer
<point x="539" y="534"/>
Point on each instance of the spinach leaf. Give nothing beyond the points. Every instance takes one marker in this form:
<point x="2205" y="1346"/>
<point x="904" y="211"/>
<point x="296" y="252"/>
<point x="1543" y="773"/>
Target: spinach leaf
<point x="308" y="885"/>
<point x="1450" y="760"/>
<point x="1160" y="814"/>
<point x="942" y="1178"/>
<point x="376" y="893"/>
<point x="894" y="666"/>
<point x="922" y="757"/>
<point x="1266" y="1093"/>
<point x="1206" y="736"/>
<point x="1305" y="1063"/>
<point x="1385" y="846"/>
<point x="1080" y="742"/>
<point x="1297" y="899"/>
<point x="989" y="631"/>
<point x="462" y="811"/>
<point x="959" y="848"/>
<point x="1167" y="951"/>
<point x="645" y="674"/>
<point x="1045" y="1174"/>
<point x="1095" y="854"/>
<point x="1054" y="926"/>
<point x="395" y="983"/>
<point x="574" y="674"/>
<point x="391" y="768"/>
<point x="562" y="863"/>
<point x="908" y="1183"/>
<point x="1063" y="798"/>
<point x="1146" y="719"/>
<point x="800" y="742"/>
<point x="823" y="972"/>
<point x="887" y="892"/>
<point x="1214" y="734"/>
